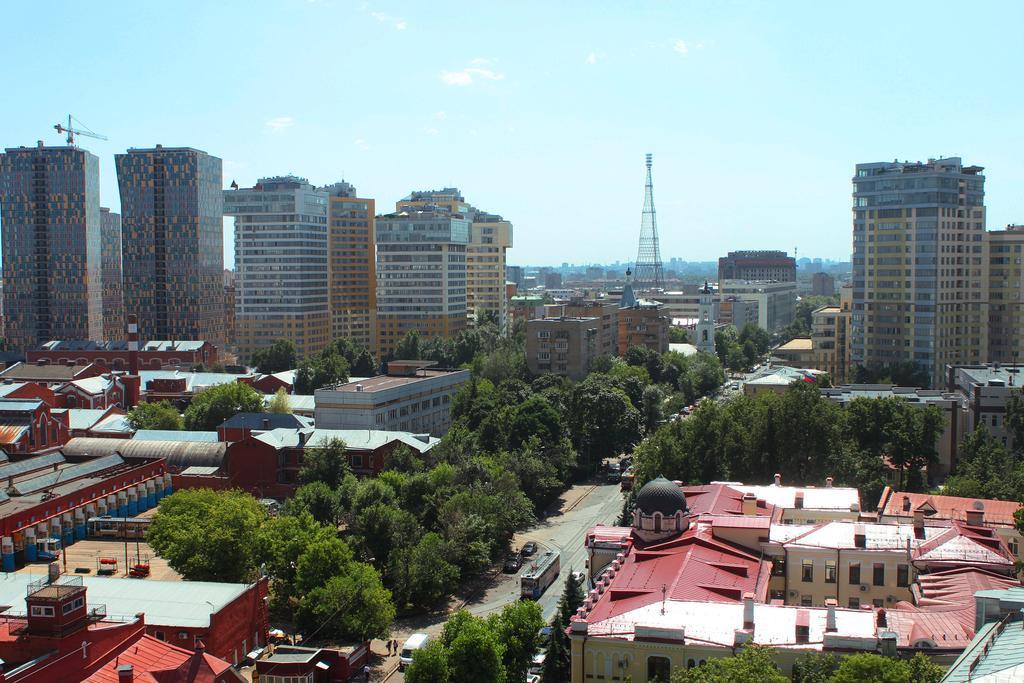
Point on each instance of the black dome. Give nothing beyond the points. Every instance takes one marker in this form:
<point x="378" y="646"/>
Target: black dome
<point x="660" y="495"/>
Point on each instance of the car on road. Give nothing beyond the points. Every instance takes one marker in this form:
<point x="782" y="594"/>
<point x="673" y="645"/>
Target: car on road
<point x="614" y="473"/>
<point x="734" y="386"/>
<point x="529" y="548"/>
<point x="417" y="641"/>
<point x="578" y="577"/>
<point x="537" y="663"/>
<point x="512" y="563"/>
<point x="533" y="678"/>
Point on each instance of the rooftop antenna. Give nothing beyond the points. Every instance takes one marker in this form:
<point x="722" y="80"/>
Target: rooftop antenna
<point x="72" y="132"/>
<point x="664" y="589"/>
<point x="648" y="273"/>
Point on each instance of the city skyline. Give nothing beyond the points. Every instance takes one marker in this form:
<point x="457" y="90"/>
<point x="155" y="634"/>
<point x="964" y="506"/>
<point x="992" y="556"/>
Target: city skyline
<point x="573" y="116"/>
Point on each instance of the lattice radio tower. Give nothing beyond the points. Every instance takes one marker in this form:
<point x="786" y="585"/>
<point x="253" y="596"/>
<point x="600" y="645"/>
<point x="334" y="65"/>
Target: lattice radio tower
<point x="648" y="273"/>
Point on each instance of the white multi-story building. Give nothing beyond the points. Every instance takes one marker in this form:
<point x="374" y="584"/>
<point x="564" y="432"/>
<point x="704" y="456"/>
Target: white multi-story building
<point x="280" y="265"/>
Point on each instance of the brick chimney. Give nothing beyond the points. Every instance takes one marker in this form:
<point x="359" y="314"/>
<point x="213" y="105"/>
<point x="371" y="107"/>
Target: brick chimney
<point x="918" y="523"/>
<point x="125" y="673"/>
<point x="975" y="515"/>
<point x="830" y="617"/>
<point x="778" y="479"/>
<point x="828" y="482"/>
<point x="798" y="500"/>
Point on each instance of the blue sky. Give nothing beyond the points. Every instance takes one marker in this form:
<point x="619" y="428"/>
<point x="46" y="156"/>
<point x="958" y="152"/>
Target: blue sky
<point x="756" y="112"/>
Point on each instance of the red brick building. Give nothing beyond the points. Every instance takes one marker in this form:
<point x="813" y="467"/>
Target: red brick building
<point x="323" y="665"/>
<point x="63" y="637"/>
<point x="29" y="426"/>
<point x="153" y="355"/>
<point x="101" y="391"/>
<point x="50" y="375"/>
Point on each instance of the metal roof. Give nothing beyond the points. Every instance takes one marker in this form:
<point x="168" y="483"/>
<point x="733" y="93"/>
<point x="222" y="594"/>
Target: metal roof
<point x="19" y="406"/>
<point x="179" y="454"/>
<point x="357" y="439"/>
<point x="67" y="474"/>
<point x="165" y="603"/>
<point x="51" y="373"/>
<point x="30" y="465"/>
<point x="172" y="435"/>
<point x="83" y="418"/>
<point x="199" y="471"/>
<point x="272" y="420"/>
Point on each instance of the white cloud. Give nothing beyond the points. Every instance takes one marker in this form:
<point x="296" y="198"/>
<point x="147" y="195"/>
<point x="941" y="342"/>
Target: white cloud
<point x="480" y="60"/>
<point x="399" y="23"/>
<point x="468" y="75"/>
<point x="680" y="47"/>
<point x="440" y="115"/>
<point x="591" y="58"/>
<point x="700" y="46"/>
<point x="361" y="144"/>
<point x="431" y="131"/>
<point x="280" y="123"/>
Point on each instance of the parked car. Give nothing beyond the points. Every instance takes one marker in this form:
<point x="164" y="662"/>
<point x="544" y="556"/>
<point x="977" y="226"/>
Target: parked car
<point x="578" y="577"/>
<point x="614" y="473"/>
<point x="512" y="563"/>
<point x="417" y="641"/>
<point x="529" y="548"/>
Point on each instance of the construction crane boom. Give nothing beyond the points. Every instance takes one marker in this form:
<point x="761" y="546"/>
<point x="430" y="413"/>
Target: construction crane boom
<point x="72" y="132"/>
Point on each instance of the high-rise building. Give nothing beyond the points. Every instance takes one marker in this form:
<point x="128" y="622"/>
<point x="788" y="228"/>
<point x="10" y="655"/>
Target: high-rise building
<point x="352" y="265"/>
<point x="830" y="332"/>
<point x="52" y="245"/>
<point x="776" y="301"/>
<point x="280" y="265"/>
<point x="918" y="271"/>
<point x="757" y="265"/>
<point x="490" y="237"/>
<point x="1005" y="294"/>
<point x="421" y="275"/>
<point x="113" y="293"/>
<point x="823" y="284"/>
<point x="172" y="228"/>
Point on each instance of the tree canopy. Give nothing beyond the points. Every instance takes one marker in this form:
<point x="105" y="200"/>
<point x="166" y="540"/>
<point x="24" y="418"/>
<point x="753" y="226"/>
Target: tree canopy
<point x="211" y="407"/>
<point x="278" y="357"/>
<point x="280" y="403"/>
<point x="157" y="415"/>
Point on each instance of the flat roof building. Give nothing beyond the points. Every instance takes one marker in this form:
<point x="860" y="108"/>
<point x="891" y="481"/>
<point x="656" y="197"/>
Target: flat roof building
<point x="776" y="301"/>
<point x="757" y="265"/>
<point x="564" y="346"/>
<point x="412" y="397"/>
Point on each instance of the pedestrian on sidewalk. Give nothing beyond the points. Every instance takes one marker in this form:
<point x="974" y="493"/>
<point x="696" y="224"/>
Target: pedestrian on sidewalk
<point x="395" y="641"/>
<point x="389" y="648"/>
<point x="366" y="672"/>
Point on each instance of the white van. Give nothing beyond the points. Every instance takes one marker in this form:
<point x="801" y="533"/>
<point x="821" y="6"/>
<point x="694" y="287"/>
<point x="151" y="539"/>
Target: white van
<point x="417" y="641"/>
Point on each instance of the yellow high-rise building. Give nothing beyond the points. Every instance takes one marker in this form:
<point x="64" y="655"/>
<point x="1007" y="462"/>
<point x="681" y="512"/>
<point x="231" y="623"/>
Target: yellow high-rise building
<point x="352" y="265"/>
<point x="1005" y="294"/>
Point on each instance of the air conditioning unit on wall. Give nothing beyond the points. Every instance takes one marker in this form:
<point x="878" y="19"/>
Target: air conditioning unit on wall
<point x="864" y="588"/>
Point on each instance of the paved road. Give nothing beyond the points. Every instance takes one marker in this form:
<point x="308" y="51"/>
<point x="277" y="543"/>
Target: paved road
<point x="564" y="532"/>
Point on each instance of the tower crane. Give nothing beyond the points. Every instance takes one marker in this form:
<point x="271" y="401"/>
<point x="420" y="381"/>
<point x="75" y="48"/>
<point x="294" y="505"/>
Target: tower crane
<point x="72" y="132"/>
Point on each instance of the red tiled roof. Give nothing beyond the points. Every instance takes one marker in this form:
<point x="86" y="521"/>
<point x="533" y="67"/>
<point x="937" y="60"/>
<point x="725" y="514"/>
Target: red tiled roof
<point x="720" y="499"/>
<point x="159" y="662"/>
<point x="692" y="566"/>
<point x="997" y="512"/>
<point x="965" y="544"/>
<point x="945" y="609"/>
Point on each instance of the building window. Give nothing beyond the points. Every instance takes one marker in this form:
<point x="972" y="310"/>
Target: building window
<point x="160" y="635"/>
<point x="807" y="571"/>
<point x="806" y="601"/>
<point x="878" y="574"/>
<point x="659" y="669"/>
<point x="854" y="573"/>
<point x="830" y="571"/>
<point x="854" y="603"/>
<point x="357" y="460"/>
<point x="803" y="633"/>
<point x="42" y="611"/>
<point x="182" y="635"/>
<point x="903" y="575"/>
<point x="877" y="602"/>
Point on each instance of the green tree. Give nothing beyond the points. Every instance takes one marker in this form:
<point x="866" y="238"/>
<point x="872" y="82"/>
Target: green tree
<point x="320" y="562"/>
<point x="557" y="661"/>
<point x="752" y="663"/>
<point x="985" y="469"/>
<point x="1015" y="419"/>
<point x="924" y="670"/>
<point x="429" y="665"/>
<point x="158" y="415"/>
<point x="319" y="500"/>
<point x="517" y="628"/>
<point x="278" y="357"/>
<point x="322" y="371"/>
<point x="360" y="361"/>
<point x="678" y="335"/>
<point x="211" y="407"/>
<point x="475" y="653"/>
<point x="282" y="540"/>
<point x="408" y="347"/>
<point x="353" y="605"/>
<point x="421" y="575"/>
<point x="871" y="668"/>
<point x="327" y="463"/>
<point x="280" y="403"/>
<point x="651" y="409"/>
<point x="208" y="535"/>
<point x="603" y="420"/>
<point x="816" y="667"/>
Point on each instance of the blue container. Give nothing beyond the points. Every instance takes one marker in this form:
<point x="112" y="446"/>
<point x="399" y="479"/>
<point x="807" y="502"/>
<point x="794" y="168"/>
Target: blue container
<point x="69" y="536"/>
<point x="169" y="490"/>
<point x="152" y="498"/>
<point x="8" y="559"/>
<point x="143" y="503"/>
<point x="133" y="508"/>
<point x="122" y="511"/>
<point x="30" y="552"/>
<point x="79" y="532"/>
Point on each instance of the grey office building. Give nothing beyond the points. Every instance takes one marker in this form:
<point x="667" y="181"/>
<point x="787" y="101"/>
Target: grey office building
<point x="172" y="227"/>
<point x="918" y="272"/>
<point x="280" y="265"/>
<point x="50" y="230"/>
<point x="113" y="292"/>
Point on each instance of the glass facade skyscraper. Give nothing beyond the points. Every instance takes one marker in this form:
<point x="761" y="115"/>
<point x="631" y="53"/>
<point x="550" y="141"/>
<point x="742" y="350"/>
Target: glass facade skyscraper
<point x="918" y="265"/>
<point x="113" y="293"/>
<point x="172" y="228"/>
<point x="51" y="235"/>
